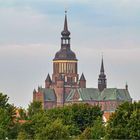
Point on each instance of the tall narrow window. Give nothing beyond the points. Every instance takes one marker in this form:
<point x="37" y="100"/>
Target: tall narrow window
<point x="65" y="78"/>
<point x="62" y="68"/>
<point x="59" y="67"/>
<point x="75" y="79"/>
<point x="70" y="68"/>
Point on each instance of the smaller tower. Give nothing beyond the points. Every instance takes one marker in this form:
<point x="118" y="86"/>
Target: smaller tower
<point x="34" y="91"/>
<point x="34" y="94"/>
<point x="126" y="86"/>
<point x="102" y="84"/>
<point x="82" y="81"/>
<point x="48" y="81"/>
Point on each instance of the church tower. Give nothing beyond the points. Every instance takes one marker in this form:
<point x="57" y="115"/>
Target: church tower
<point x="102" y="82"/>
<point x="65" y="61"/>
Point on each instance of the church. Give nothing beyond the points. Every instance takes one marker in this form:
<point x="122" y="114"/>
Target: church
<point x="65" y="86"/>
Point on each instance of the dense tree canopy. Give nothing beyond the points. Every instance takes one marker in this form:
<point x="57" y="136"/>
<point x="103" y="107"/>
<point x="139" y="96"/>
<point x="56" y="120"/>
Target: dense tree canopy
<point x="7" y="118"/>
<point x="97" y="131"/>
<point x="125" y="122"/>
<point x="80" y="115"/>
<point x="69" y="121"/>
<point x="34" y="108"/>
<point x="76" y="121"/>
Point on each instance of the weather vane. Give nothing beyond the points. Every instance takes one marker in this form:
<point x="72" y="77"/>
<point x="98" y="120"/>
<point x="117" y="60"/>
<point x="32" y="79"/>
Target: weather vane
<point x="65" y="11"/>
<point x="102" y="54"/>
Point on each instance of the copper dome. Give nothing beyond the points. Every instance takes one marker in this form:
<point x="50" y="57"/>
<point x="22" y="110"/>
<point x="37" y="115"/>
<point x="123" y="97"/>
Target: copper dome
<point x="65" y="54"/>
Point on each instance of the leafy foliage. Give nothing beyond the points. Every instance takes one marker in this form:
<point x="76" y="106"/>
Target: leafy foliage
<point x="61" y="122"/>
<point x="80" y="115"/>
<point x="97" y="131"/>
<point x="34" y="108"/>
<point x="76" y="121"/>
<point x="54" y="130"/>
<point x="7" y="118"/>
<point x="125" y="122"/>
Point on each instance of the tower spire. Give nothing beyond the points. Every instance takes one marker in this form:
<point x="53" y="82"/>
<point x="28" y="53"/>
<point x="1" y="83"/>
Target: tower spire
<point x="102" y="77"/>
<point x="65" y="22"/>
<point x="102" y="66"/>
<point x="65" y="33"/>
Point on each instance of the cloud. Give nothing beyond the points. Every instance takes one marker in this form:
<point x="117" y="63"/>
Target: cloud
<point x="19" y="25"/>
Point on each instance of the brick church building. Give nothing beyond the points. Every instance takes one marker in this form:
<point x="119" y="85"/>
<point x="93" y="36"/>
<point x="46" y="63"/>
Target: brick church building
<point x="66" y="87"/>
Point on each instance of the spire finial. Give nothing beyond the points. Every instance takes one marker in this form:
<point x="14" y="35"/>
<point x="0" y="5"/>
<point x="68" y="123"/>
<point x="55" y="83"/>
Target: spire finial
<point x="102" y="54"/>
<point x="65" y="22"/>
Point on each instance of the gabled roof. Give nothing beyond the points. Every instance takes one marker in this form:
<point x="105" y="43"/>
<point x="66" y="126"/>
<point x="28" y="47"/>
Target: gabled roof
<point x="84" y="94"/>
<point x="115" y="94"/>
<point x="49" y="94"/>
<point x="89" y="94"/>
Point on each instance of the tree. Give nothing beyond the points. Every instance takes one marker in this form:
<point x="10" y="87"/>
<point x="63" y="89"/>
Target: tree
<point x="125" y="122"/>
<point x="7" y="118"/>
<point x="97" y="131"/>
<point x="22" y="135"/>
<point x="54" y="130"/>
<point x="79" y="115"/>
<point x="84" y="115"/>
<point x="86" y="134"/>
<point x="4" y="122"/>
<point x="34" y="107"/>
<point x="71" y="121"/>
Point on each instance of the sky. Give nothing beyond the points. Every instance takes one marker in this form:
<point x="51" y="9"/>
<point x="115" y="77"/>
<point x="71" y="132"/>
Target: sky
<point x="30" y="32"/>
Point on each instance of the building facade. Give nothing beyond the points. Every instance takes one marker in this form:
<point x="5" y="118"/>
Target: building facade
<point x="66" y="87"/>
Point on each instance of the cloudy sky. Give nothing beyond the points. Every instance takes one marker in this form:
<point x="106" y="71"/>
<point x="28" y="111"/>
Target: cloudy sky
<point x="30" y="37"/>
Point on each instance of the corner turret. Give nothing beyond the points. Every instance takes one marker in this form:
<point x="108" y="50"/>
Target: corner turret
<point x="48" y="81"/>
<point x="82" y="81"/>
